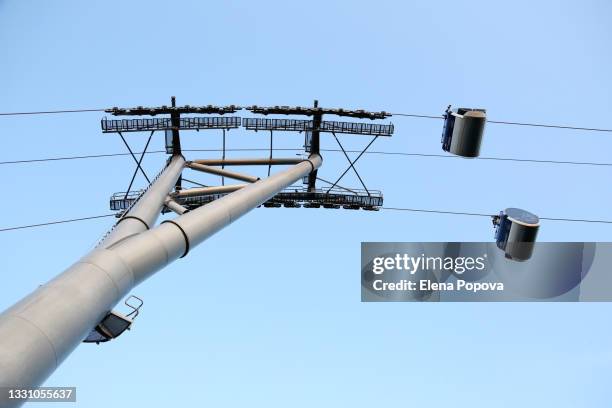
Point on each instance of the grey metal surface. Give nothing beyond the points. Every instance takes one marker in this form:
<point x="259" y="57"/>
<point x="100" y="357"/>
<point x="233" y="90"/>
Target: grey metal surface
<point x="221" y="172"/>
<point x="248" y="161"/>
<point x="40" y="331"/>
<point x="198" y="191"/>
<point x="174" y="206"/>
<point x="518" y="233"/>
<point x="467" y="134"/>
<point x="148" y="207"/>
<point x="152" y="250"/>
<point x="522" y="216"/>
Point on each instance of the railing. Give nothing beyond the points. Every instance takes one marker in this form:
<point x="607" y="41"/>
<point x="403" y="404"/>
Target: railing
<point x="297" y="196"/>
<point x="356" y="128"/>
<point x="214" y="122"/>
<point x="335" y="197"/>
<point x="277" y="124"/>
<point x="232" y="122"/>
<point x="326" y="126"/>
<point x="140" y="125"/>
<point x="123" y="200"/>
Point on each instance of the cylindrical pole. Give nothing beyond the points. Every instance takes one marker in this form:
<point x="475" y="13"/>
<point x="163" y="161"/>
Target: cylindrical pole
<point x="144" y="213"/>
<point x="154" y="249"/>
<point x="248" y="162"/>
<point x="221" y="172"/>
<point x="174" y="206"/>
<point x="40" y="331"/>
<point x="199" y="191"/>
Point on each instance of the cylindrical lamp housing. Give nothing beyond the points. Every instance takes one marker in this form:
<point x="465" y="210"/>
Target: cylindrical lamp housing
<point x="463" y="130"/>
<point x="516" y="233"/>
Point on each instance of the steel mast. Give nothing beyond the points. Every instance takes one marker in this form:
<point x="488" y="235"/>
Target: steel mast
<point x="40" y="331"/>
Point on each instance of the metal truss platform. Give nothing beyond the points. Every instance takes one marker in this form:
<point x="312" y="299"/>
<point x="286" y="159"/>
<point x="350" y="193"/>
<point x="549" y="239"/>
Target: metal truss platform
<point x="122" y="201"/>
<point x="298" y="125"/>
<point x="187" y="123"/>
<point x="289" y="198"/>
<point x="355" y="128"/>
<point x="300" y="197"/>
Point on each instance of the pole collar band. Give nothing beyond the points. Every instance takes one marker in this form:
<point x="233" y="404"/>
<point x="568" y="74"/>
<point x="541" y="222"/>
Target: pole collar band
<point x="134" y="218"/>
<point x="184" y="236"/>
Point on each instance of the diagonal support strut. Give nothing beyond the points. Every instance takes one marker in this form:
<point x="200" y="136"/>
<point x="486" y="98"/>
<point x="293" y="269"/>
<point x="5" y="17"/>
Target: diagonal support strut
<point x="134" y="157"/>
<point x="352" y="163"/>
<point x="144" y="151"/>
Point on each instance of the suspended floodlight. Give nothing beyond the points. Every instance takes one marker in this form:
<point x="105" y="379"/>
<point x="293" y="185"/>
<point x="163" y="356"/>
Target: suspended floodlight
<point x="463" y="129"/>
<point x="516" y="232"/>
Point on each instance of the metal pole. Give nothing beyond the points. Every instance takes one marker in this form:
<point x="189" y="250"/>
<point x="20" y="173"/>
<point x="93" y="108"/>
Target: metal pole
<point x="315" y="144"/>
<point x="40" y="331"/>
<point x="144" y="213"/>
<point x="150" y="251"/>
<point x="199" y="191"/>
<point x="271" y="146"/>
<point x="174" y="206"/>
<point x="248" y="162"/>
<point x="220" y="172"/>
<point x="223" y="158"/>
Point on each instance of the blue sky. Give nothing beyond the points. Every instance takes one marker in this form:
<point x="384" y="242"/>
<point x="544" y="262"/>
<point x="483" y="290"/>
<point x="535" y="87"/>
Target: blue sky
<point x="267" y="312"/>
